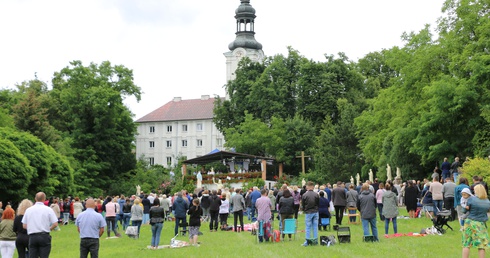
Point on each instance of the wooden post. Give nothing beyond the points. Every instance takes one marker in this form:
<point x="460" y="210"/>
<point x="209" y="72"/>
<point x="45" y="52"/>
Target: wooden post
<point x="280" y="170"/>
<point x="184" y="169"/>
<point x="264" y="170"/>
<point x="303" y="161"/>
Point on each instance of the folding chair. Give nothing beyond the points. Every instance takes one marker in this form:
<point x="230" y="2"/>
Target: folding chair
<point x="325" y="222"/>
<point x="288" y="227"/>
<point x="183" y="225"/>
<point x="356" y="216"/>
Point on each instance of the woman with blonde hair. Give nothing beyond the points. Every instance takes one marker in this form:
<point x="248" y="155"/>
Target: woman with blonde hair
<point x="56" y="208"/>
<point x="475" y="232"/>
<point x="7" y="234"/>
<point x="22" y="241"/>
<point x="77" y="207"/>
<point x="137" y="214"/>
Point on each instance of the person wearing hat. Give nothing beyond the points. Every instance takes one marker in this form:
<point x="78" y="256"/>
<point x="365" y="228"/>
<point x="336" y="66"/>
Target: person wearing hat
<point x="463" y="183"/>
<point x="466" y="194"/>
<point x="475" y="233"/>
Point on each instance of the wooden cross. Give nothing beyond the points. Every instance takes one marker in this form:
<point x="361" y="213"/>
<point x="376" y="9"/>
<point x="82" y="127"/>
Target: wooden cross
<point x="303" y="160"/>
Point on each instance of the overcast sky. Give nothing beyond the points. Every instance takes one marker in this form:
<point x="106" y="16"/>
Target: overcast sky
<point x="175" y="47"/>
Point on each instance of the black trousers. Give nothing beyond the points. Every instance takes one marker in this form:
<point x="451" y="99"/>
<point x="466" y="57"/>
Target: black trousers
<point x="223" y="218"/>
<point x="89" y="245"/>
<point x="39" y="245"/>
<point x="213" y="224"/>
<point x="449" y="205"/>
<point x="339" y="214"/>
<point x="22" y="244"/>
<point x="238" y="215"/>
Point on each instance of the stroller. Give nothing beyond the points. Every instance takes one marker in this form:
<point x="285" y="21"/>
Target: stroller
<point x="441" y="219"/>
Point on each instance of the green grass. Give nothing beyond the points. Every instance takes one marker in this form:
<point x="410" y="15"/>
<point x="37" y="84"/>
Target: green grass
<point x="224" y="244"/>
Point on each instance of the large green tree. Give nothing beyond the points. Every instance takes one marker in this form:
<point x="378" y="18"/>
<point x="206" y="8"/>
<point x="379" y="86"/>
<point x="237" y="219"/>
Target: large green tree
<point x="16" y="172"/>
<point x="89" y="104"/>
<point x="51" y="172"/>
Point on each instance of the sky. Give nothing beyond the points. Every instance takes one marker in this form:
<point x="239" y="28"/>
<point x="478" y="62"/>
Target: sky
<point x="175" y="47"/>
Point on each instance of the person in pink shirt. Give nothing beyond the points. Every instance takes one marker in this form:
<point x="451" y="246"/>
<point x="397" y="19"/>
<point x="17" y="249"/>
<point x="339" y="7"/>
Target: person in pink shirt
<point x="111" y="209"/>
<point x="263" y="206"/>
<point x="379" y="200"/>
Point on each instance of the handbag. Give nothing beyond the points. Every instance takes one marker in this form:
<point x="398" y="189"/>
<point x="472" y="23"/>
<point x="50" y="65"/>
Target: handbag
<point x="132" y="231"/>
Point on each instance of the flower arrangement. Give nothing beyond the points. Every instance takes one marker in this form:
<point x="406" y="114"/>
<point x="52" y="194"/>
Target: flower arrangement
<point x="226" y="177"/>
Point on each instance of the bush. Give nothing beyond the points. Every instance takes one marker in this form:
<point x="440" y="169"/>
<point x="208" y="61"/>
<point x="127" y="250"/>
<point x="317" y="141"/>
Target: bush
<point x="476" y="167"/>
<point x="254" y="182"/>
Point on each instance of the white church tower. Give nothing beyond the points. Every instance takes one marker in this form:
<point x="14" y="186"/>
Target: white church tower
<point x="244" y="43"/>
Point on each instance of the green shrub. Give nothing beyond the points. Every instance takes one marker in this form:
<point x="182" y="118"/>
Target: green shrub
<point x="476" y="167"/>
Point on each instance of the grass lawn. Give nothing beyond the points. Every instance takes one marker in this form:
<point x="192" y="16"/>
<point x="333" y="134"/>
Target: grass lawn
<point x="221" y="244"/>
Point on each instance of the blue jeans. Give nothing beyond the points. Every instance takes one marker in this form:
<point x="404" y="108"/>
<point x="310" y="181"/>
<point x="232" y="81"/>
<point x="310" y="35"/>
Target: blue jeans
<point x="156" y="230"/>
<point x="249" y="213"/>
<point x="387" y="225"/>
<point x="445" y="174"/>
<point x="138" y="224"/>
<point x="252" y="211"/>
<point x="374" y="229"/>
<point x="146" y="218"/>
<point x="177" y="222"/>
<point x="438" y="204"/>
<point x="126" y="218"/>
<point x="119" y="218"/>
<point x="352" y="218"/>
<point x="311" y="222"/>
<point x="455" y="177"/>
<point x="380" y="210"/>
<point x="66" y="217"/>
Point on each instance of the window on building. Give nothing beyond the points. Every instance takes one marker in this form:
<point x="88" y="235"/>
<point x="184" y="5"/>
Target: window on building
<point x="152" y="129"/>
<point x="219" y="142"/>
<point x="169" y="128"/>
<point x="169" y="144"/>
<point x="169" y="161"/>
<point x="184" y="143"/>
<point x="152" y="144"/>
<point x="199" y="143"/>
<point x="151" y="161"/>
<point x="199" y="127"/>
<point x="184" y="128"/>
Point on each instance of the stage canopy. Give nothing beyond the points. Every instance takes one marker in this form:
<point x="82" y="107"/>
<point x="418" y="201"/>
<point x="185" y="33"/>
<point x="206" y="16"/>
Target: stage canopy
<point x="223" y="155"/>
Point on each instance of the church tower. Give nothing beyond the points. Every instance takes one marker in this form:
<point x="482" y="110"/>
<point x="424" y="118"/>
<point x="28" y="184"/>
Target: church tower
<point x="244" y="43"/>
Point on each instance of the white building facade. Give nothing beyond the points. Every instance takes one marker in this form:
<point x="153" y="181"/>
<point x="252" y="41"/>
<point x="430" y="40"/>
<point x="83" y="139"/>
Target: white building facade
<point x="178" y="129"/>
<point x="185" y="128"/>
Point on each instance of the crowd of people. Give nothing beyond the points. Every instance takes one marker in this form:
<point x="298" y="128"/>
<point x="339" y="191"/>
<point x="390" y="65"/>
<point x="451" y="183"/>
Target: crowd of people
<point x="28" y="229"/>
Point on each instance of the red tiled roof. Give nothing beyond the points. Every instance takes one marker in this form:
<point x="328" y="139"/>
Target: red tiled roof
<point x="191" y="109"/>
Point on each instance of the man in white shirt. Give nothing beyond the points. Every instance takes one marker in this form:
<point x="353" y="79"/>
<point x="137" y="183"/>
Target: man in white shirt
<point x="39" y="220"/>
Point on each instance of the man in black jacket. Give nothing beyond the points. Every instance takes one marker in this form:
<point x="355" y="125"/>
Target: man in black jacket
<point x="310" y="202"/>
<point x="214" y="211"/>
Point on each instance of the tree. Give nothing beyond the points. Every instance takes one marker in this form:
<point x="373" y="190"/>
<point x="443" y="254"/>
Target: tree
<point x="89" y="101"/>
<point x="230" y="113"/>
<point x="249" y="137"/>
<point x="31" y="114"/>
<point x="16" y="173"/>
<point x="337" y="155"/>
<point x="51" y="171"/>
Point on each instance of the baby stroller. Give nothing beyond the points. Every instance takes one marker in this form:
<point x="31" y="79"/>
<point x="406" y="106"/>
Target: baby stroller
<point x="441" y="219"/>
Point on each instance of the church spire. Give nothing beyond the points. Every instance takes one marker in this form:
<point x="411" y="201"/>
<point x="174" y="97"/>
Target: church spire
<point x="245" y="35"/>
<point x="245" y="44"/>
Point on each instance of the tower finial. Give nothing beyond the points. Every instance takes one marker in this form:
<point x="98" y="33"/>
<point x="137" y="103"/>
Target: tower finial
<point x="245" y="21"/>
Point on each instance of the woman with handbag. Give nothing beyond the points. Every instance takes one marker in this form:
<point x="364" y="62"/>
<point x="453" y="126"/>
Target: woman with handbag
<point x="157" y="216"/>
<point x="136" y="215"/>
